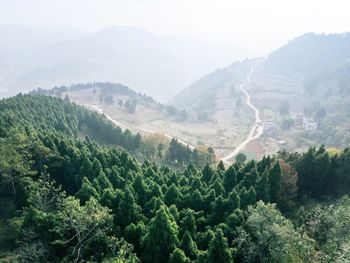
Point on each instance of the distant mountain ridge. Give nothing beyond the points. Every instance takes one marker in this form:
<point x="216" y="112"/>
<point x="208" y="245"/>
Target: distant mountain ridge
<point x="154" y="64"/>
<point x="321" y="61"/>
<point x="310" y="54"/>
<point x="18" y="42"/>
<point x="22" y="39"/>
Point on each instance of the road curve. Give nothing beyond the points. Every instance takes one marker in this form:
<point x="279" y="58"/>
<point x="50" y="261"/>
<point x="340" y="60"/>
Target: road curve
<point x="256" y="131"/>
<point x="100" y="110"/>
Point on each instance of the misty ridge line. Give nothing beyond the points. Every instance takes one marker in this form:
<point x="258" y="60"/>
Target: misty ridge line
<point x="128" y="55"/>
<point x="158" y="65"/>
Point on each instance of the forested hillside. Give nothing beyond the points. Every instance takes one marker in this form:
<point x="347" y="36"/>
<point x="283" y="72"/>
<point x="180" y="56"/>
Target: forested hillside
<point x="68" y="199"/>
<point x="311" y="54"/>
<point x="322" y="63"/>
<point x="55" y="115"/>
<point x="130" y="108"/>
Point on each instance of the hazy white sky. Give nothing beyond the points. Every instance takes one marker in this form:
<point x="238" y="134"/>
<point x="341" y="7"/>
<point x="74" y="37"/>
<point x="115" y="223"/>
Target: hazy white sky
<point x="260" y="25"/>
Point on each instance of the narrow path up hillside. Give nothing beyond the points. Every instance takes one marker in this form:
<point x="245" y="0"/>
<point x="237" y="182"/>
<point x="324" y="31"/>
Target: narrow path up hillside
<point x="256" y="131"/>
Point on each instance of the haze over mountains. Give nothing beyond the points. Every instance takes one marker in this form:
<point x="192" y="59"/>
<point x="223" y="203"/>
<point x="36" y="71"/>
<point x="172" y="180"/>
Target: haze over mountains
<point x="303" y="83"/>
<point x="305" y="58"/>
<point x="119" y="144"/>
<point x="311" y="54"/>
<point x="154" y="64"/>
<point x="309" y="74"/>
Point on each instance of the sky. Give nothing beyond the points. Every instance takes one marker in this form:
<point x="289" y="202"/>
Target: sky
<point x="259" y="25"/>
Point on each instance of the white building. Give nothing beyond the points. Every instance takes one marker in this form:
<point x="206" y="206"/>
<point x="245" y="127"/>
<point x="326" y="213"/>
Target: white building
<point x="309" y="124"/>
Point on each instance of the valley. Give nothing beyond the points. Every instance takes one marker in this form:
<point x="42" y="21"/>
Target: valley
<point x="255" y="106"/>
<point x="245" y="115"/>
<point x="221" y="132"/>
<point x="119" y="144"/>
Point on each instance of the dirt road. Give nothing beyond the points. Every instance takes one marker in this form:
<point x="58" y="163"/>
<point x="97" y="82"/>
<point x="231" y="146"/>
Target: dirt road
<point x="100" y="110"/>
<point x="256" y="131"/>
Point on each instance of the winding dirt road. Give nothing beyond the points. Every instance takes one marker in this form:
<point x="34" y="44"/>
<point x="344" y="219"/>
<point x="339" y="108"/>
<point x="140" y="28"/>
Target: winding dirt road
<point x="100" y="110"/>
<point x="256" y="131"/>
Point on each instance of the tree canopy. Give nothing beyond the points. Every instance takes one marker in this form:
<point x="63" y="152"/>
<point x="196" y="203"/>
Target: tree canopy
<point x="70" y="198"/>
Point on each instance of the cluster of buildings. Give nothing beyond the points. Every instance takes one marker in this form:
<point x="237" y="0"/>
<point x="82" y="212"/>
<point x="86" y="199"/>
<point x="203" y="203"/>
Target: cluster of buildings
<point x="300" y="122"/>
<point x="303" y="123"/>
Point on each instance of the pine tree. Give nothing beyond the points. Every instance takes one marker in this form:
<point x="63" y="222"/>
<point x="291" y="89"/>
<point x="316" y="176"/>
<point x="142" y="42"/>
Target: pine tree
<point x="87" y="191"/>
<point x="103" y="182"/>
<point x="196" y="183"/>
<point x="188" y="223"/>
<point x="210" y="196"/>
<point x="219" y="251"/>
<point x="134" y="234"/>
<point x="221" y="167"/>
<point x="248" y="197"/>
<point x="189" y="246"/>
<point x="172" y="195"/>
<point x="152" y="206"/>
<point x="217" y="186"/>
<point x="96" y="167"/>
<point x="161" y="238"/>
<point x="312" y="169"/>
<point x="262" y="187"/>
<point x="233" y="201"/>
<point x="250" y="177"/>
<point x="230" y="179"/>
<point x="289" y="187"/>
<point x="140" y="189"/>
<point x="196" y="201"/>
<point x="275" y="175"/>
<point x="235" y="219"/>
<point x="218" y="210"/>
<point x="128" y="211"/>
<point x="86" y="170"/>
<point x="264" y="164"/>
<point x="174" y="212"/>
<point x="178" y="256"/>
<point x="208" y="173"/>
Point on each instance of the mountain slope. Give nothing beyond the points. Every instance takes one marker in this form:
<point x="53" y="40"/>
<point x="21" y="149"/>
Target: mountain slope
<point x="310" y="54"/>
<point x="150" y="63"/>
<point x="322" y="62"/>
<point x="302" y="90"/>
<point x="201" y="94"/>
<point x="17" y="39"/>
<point x="18" y="42"/>
<point x="58" y="116"/>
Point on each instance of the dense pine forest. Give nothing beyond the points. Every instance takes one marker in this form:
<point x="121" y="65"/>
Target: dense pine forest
<point x="75" y="188"/>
